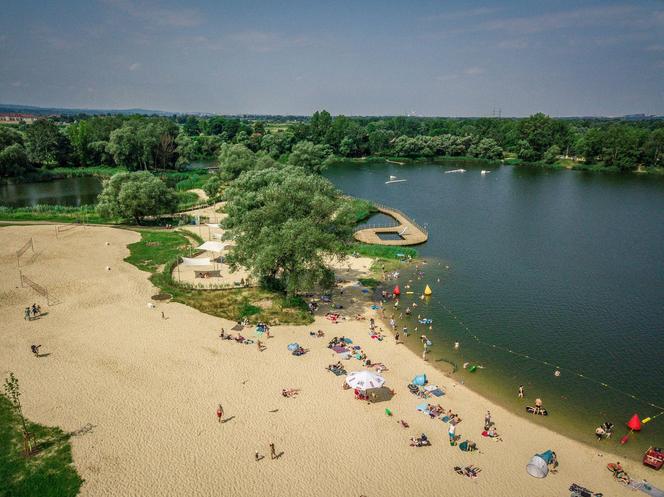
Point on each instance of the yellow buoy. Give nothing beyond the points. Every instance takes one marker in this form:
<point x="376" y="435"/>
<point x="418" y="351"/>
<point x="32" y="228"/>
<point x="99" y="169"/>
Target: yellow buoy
<point x="427" y="290"/>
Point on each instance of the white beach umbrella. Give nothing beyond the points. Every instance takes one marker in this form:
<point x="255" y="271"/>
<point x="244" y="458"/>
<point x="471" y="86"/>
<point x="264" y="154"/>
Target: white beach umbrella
<point x="364" y="379"/>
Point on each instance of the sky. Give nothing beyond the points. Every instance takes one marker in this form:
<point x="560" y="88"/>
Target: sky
<point x="357" y="57"/>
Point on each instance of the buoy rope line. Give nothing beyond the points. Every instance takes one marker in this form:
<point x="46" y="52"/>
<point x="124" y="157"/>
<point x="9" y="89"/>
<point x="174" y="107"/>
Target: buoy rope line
<point x="558" y="368"/>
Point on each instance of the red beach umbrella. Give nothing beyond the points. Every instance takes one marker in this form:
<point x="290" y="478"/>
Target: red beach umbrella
<point x="397" y="290"/>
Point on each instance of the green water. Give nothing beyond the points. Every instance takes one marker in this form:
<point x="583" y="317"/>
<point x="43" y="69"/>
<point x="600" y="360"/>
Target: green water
<point x="77" y="191"/>
<point x="565" y="267"/>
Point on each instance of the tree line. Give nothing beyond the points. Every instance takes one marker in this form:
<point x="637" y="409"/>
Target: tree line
<point x="152" y="143"/>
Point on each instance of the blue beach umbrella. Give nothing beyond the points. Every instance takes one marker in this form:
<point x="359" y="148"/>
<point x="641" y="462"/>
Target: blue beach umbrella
<point x="293" y="346"/>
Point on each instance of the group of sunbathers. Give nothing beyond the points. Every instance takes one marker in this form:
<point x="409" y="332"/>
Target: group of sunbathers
<point x="469" y="471"/>
<point x="337" y="368"/>
<point x="318" y="334"/>
<point x="337" y="342"/>
<point x="421" y="441"/>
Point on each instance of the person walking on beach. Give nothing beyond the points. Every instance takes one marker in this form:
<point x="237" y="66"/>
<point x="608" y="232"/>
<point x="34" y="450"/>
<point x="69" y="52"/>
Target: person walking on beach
<point x="220" y="412"/>
<point x="26" y="314"/>
<point x="35" y="349"/>
<point x="520" y="395"/>
<point x="273" y="452"/>
<point x="487" y="420"/>
<point x="396" y="338"/>
<point x="162" y="315"/>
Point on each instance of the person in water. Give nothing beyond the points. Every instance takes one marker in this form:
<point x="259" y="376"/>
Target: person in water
<point x="520" y="394"/>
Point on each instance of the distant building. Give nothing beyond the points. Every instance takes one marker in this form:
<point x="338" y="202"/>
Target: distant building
<point x="13" y="118"/>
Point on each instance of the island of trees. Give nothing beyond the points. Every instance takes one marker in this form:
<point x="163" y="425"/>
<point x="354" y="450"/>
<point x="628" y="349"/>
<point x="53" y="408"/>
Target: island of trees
<point x="155" y="143"/>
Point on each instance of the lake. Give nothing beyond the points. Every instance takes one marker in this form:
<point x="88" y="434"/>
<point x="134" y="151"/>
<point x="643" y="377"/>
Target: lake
<point x="539" y="270"/>
<point x="67" y="191"/>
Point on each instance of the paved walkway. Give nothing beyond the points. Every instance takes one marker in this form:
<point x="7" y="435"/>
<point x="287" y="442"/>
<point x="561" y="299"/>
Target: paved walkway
<point x="411" y="232"/>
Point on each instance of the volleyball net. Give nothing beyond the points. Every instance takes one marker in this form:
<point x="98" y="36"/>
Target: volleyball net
<point x="43" y="291"/>
<point x="29" y="245"/>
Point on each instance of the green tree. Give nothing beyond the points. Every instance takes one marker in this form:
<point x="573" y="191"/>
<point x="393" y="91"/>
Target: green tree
<point x="285" y="224"/>
<point x="10" y="136"/>
<point x="319" y="125"/>
<point x="486" y="148"/>
<point x="235" y="159"/>
<point x="43" y="140"/>
<point x="551" y="154"/>
<point x="13" y="160"/>
<point x="312" y="158"/>
<point x="126" y="149"/>
<point x="653" y="149"/>
<point x="13" y="393"/>
<point x="135" y="196"/>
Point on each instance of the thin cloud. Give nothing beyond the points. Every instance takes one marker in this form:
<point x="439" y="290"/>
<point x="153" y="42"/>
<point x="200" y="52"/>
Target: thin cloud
<point x="135" y="66"/>
<point x="468" y="72"/>
<point x="252" y="41"/>
<point x="154" y="14"/>
<point x="513" y="44"/>
<point x="463" y="14"/>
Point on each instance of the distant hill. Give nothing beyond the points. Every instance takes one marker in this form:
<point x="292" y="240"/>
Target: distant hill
<point x="47" y="111"/>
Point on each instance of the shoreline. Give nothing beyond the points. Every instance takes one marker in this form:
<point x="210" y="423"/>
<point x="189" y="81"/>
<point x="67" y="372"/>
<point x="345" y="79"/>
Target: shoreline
<point x="494" y="388"/>
<point x="178" y="367"/>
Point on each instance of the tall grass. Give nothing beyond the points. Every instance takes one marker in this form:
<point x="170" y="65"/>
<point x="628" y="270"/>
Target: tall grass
<point x="53" y="213"/>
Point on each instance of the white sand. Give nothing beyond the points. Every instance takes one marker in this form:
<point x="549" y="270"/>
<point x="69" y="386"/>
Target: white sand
<point x="149" y="387"/>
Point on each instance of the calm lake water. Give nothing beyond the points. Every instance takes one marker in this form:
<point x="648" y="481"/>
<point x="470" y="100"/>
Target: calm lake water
<point x="67" y="191"/>
<point x="564" y="267"/>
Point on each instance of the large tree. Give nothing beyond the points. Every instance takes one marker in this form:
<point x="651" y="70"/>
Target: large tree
<point x="285" y="223"/>
<point x="45" y="143"/>
<point x="312" y="158"/>
<point x="133" y="196"/>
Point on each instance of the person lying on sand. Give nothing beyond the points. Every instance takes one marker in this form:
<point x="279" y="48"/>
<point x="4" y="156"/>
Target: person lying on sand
<point x="290" y="392"/>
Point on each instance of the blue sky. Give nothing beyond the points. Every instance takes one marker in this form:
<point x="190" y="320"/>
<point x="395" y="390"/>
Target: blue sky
<point x="454" y="58"/>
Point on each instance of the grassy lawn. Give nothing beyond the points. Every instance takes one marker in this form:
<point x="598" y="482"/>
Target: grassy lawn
<point x="383" y="251"/>
<point x="47" y="473"/>
<point x="156" y="253"/>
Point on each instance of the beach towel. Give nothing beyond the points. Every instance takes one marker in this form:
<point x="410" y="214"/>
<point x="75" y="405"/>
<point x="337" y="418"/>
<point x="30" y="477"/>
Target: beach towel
<point x="339" y="350"/>
<point x="445" y="419"/>
<point x="423" y="407"/>
<point x="338" y="372"/>
<point x="437" y="392"/>
<point x="646" y="488"/>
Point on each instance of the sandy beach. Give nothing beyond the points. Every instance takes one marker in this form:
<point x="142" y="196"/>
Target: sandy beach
<point x="143" y="392"/>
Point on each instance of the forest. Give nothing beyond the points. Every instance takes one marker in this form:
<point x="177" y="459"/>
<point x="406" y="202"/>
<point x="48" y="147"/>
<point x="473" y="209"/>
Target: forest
<point x="157" y="143"/>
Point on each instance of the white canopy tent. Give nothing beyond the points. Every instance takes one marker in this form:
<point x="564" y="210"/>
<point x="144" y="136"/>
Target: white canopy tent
<point x="363" y="380"/>
<point x="189" y="261"/>
<point x="212" y="246"/>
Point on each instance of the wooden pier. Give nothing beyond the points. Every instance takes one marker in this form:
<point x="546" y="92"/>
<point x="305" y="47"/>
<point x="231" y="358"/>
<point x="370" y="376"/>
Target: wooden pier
<point x="409" y="231"/>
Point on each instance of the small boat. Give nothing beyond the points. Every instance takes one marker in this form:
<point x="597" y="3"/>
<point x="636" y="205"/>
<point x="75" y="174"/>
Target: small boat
<point x="537" y="410"/>
<point x="654" y="457"/>
<point x="393" y="179"/>
<point x="455" y="171"/>
<point x="484" y="171"/>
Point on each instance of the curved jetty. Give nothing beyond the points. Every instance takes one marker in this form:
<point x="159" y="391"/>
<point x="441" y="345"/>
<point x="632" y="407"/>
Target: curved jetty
<point x="408" y="231"/>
